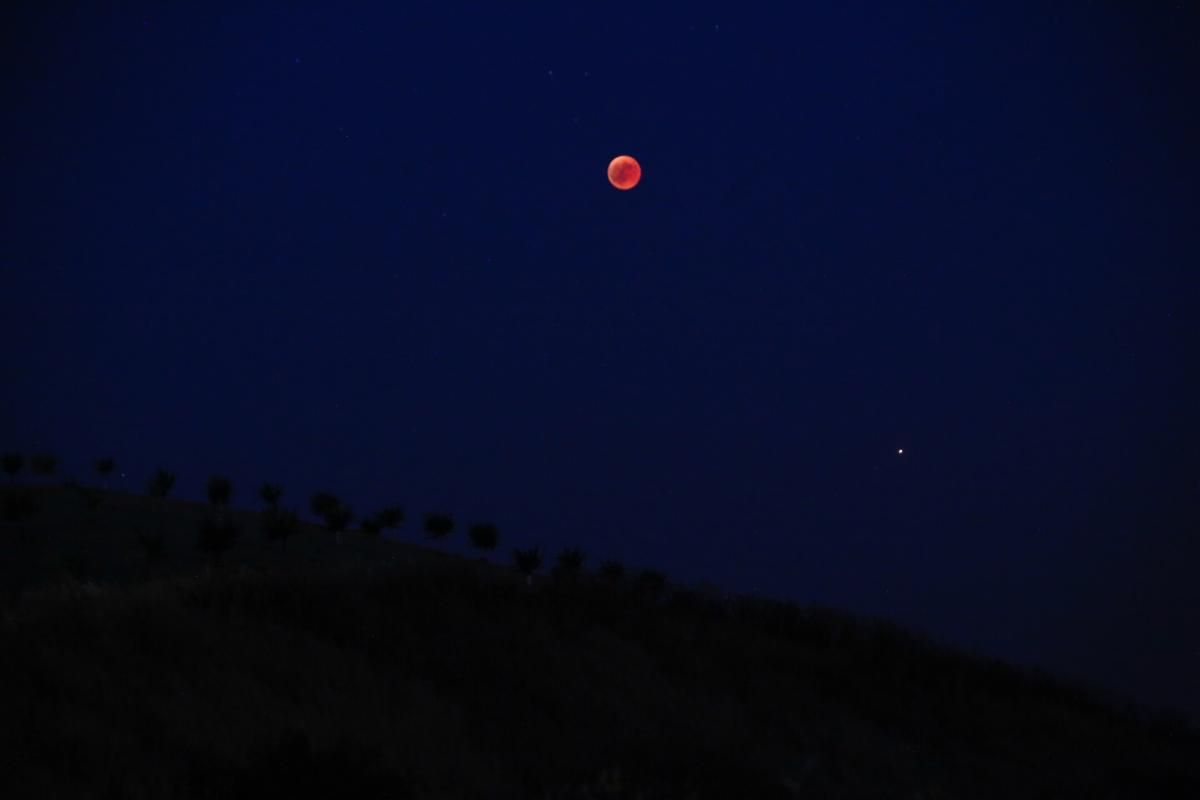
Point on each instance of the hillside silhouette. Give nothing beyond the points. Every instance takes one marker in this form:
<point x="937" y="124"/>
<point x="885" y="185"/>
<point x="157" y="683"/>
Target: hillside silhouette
<point x="154" y="647"/>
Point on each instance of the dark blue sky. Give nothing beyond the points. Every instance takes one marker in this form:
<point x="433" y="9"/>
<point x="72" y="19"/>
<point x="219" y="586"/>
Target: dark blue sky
<point x="373" y="249"/>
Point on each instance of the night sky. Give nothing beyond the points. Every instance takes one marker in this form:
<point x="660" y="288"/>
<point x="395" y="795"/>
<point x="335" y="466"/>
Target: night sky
<point x="372" y="248"/>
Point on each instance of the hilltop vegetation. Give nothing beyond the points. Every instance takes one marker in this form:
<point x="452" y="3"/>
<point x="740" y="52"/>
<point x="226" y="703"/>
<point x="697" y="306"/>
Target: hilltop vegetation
<point x="381" y="668"/>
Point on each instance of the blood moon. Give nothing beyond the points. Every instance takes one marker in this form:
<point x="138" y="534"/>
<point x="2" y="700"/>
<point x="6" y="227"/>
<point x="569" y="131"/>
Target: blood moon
<point x="624" y="172"/>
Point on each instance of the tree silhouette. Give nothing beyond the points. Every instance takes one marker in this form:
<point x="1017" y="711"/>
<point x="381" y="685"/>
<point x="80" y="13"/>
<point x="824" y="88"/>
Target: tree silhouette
<point x="484" y="535"/>
<point x="527" y="562"/>
<point x="612" y="571"/>
<point x="322" y="503"/>
<point x="160" y="484"/>
<point x="270" y="494"/>
<point x="12" y="465"/>
<point x="216" y="536"/>
<point x="104" y="468"/>
<point x="43" y="463"/>
<point x="338" y="519"/>
<point x="570" y="563"/>
<point x="277" y="524"/>
<point x="438" y="525"/>
<point x="391" y="517"/>
<point x="220" y="489"/>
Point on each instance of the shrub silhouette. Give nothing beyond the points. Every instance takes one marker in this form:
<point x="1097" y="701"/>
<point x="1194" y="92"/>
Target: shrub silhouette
<point x="484" y="536"/>
<point x="43" y="463"/>
<point x="270" y="494"/>
<point x="12" y="464"/>
<point x="527" y="562"/>
<point x="75" y="564"/>
<point x="650" y="583"/>
<point x="92" y="498"/>
<point x="438" y="526"/>
<point x="19" y="506"/>
<point x="279" y="525"/>
<point x="570" y="564"/>
<point x="338" y="519"/>
<point x="293" y="767"/>
<point x="391" y="517"/>
<point x="153" y="547"/>
<point x="160" y="484"/>
<point x="322" y="503"/>
<point x="104" y="468"/>
<point x="215" y="537"/>
<point x="612" y="571"/>
<point x="371" y="526"/>
<point x="220" y="489"/>
<point x="703" y="598"/>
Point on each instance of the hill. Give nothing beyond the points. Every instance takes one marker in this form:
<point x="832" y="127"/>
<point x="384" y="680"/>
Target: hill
<point x="383" y="668"/>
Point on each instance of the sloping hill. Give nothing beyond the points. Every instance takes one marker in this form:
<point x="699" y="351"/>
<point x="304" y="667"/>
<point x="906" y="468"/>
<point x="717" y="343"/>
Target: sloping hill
<point x="385" y="669"/>
<point x="66" y="536"/>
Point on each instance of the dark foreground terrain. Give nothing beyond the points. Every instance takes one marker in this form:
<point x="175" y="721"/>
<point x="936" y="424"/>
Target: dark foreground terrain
<point x="384" y="669"/>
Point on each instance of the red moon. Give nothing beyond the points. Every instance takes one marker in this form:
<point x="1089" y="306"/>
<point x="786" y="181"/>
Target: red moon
<point x="624" y="172"/>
